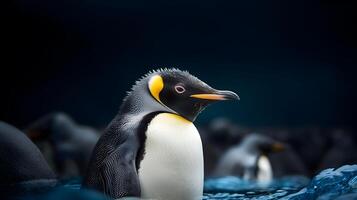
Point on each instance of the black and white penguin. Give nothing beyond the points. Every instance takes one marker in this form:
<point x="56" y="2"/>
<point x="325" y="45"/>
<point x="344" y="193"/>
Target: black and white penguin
<point x="151" y="149"/>
<point x="219" y="135"/>
<point x="64" y="143"/>
<point x="249" y="159"/>
<point x="22" y="166"/>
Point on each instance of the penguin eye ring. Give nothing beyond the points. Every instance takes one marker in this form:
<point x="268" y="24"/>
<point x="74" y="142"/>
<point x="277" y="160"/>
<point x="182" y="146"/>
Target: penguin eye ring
<point x="180" y="89"/>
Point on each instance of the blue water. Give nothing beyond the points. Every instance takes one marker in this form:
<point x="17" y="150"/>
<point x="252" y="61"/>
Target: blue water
<point x="340" y="184"/>
<point x="236" y="188"/>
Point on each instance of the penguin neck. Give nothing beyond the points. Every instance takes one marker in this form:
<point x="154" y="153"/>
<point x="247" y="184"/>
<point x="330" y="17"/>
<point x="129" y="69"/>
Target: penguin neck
<point x="251" y="149"/>
<point x="140" y="102"/>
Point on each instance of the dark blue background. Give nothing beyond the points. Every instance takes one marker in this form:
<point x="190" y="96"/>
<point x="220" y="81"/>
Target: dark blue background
<point x="290" y="61"/>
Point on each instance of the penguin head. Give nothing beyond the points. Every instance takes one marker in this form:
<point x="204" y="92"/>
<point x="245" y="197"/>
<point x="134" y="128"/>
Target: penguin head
<point x="183" y="93"/>
<point x="263" y="144"/>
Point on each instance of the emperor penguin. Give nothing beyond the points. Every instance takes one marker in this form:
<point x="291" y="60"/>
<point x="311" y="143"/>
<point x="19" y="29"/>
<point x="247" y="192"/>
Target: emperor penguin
<point x="151" y="149"/>
<point x="249" y="159"/>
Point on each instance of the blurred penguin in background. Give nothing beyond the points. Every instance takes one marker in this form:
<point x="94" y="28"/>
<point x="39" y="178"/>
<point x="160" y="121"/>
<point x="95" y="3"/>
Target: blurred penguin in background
<point x="287" y="162"/>
<point x="66" y="145"/>
<point x="249" y="159"/>
<point x="219" y="136"/>
<point x="22" y="166"/>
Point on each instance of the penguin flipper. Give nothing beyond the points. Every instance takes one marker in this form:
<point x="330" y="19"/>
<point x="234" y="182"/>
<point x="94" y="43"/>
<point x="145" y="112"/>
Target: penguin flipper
<point x="118" y="174"/>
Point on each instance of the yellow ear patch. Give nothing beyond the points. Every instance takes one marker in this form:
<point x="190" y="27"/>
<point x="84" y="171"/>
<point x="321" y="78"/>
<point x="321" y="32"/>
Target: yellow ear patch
<point x="156" y="84"/>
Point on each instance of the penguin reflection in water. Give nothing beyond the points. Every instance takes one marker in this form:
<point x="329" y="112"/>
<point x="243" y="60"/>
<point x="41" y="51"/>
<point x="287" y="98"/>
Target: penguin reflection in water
<point x="249" y="159"/>
<point x="151" y="149"/>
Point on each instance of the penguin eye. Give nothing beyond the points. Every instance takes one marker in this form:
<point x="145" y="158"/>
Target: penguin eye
<point x="180" y="89"/>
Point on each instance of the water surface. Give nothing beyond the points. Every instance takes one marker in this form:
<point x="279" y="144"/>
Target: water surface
<point x="340" y="184"/>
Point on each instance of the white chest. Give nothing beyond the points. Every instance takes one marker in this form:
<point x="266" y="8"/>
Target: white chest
<point x="172" y="168"/>
<point x="265" y="172"/>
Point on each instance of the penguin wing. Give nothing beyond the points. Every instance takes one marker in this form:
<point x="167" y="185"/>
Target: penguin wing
<point x="113" y="168"/>
<point x="118" y="173"/>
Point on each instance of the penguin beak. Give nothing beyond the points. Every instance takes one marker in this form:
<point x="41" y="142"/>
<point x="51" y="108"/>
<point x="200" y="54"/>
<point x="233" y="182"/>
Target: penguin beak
<point x="278" y="147"/>
<point x="218" y="95"/>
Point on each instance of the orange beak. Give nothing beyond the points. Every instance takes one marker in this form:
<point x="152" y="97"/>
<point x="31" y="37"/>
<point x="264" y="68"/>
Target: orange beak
<point x="218" y="96"/>
<point x="277" y="147"/>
